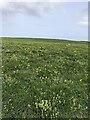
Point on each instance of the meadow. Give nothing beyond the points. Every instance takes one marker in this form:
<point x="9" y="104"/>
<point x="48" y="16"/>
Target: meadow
<point x="44" y="78"/>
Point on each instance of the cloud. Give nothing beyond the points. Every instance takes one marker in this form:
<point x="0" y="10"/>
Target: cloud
<point x="31" y="7"/>
<point x="84" y="21"/>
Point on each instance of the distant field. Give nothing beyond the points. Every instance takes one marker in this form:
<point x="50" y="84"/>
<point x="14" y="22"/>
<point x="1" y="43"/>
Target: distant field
<point x="44" y="78"/>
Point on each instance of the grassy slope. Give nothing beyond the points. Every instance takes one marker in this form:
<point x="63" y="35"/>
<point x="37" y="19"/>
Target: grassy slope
<point x="44" y="78"/>
<point x="0" y="77"/>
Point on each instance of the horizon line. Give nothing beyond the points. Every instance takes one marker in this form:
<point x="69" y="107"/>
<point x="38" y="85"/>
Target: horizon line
<point x="42" y="38"/>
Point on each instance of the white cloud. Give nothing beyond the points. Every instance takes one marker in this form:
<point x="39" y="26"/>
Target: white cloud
<point x="31" y="7"/>
<point x="36" y="8"/>
<point x="3" y="3"/>
<point x="84" y="21"/>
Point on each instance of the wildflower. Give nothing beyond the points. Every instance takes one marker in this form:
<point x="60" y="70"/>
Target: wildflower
<point x="29" y="105"/>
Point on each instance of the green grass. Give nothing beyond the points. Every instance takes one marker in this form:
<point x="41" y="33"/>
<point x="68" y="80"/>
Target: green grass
<point x="44" y="78"/>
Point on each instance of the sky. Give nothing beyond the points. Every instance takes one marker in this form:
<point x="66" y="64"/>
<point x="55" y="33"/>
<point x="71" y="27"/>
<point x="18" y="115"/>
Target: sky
<point x="49" y="19"/>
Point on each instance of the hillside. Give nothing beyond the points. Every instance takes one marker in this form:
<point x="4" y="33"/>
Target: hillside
<point x="44" y="78"/>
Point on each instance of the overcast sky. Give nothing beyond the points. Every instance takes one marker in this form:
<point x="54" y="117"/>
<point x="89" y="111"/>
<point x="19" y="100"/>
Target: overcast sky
<point x="60" y="19"/>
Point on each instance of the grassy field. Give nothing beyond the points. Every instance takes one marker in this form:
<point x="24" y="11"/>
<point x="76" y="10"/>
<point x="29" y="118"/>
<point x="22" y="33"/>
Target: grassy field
<point x="0" y="77"/>
<point x="44" y="78"/>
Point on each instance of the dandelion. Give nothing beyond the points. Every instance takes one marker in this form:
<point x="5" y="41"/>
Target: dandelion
<point x="80" y="80"/>
<point x="28" y="65"/>
<point x="65" y="81"/>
